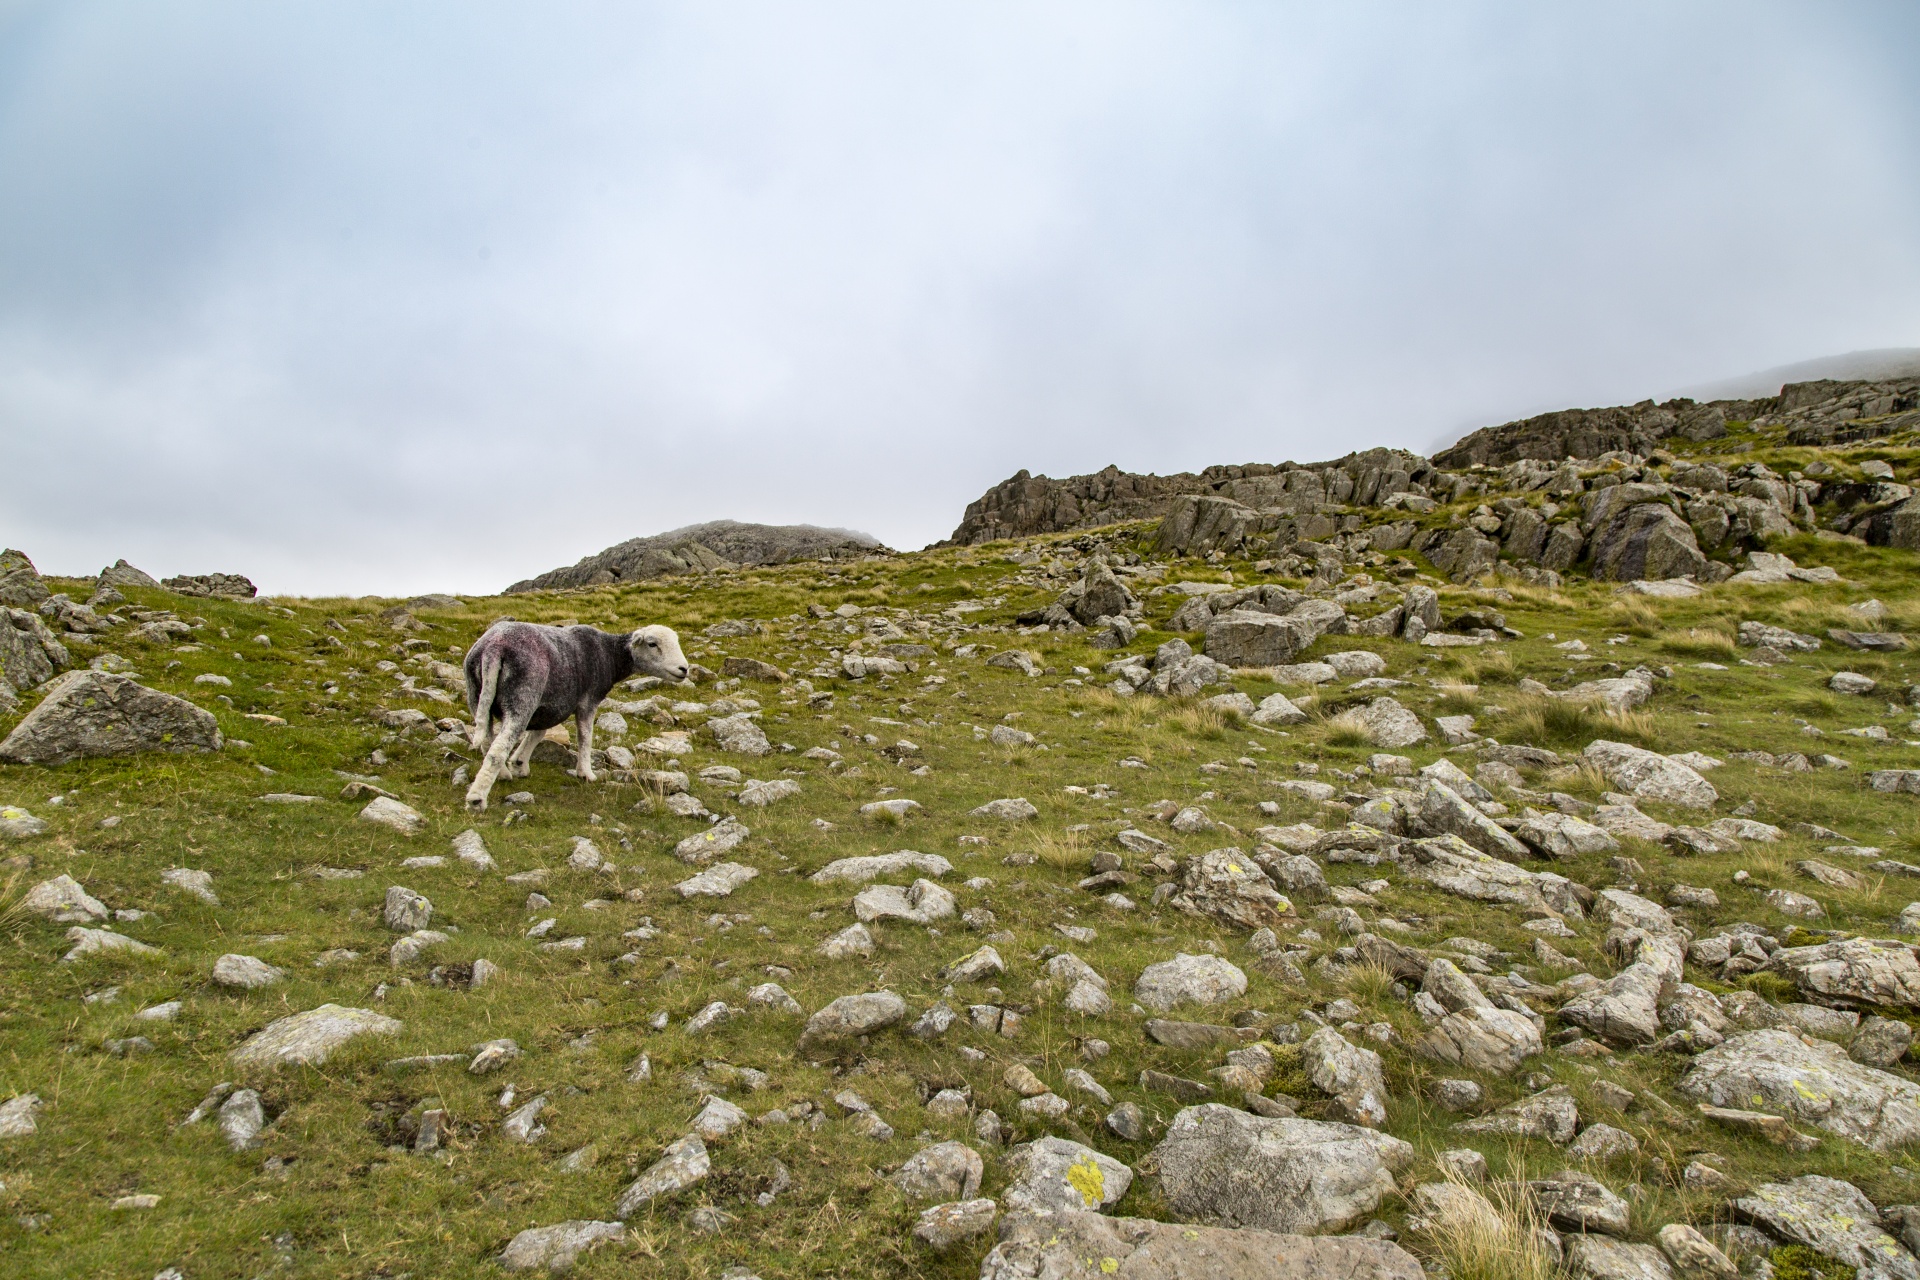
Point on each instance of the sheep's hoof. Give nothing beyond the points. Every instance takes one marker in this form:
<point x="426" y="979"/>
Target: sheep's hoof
<point x="476" y="804"/>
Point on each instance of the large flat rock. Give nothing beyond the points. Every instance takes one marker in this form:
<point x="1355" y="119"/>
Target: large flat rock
<point x="310" y="1038"/>
<point x="1812" y="1083"/>
<point x="1072" y="1244"/>
<point x="92" y="713"/>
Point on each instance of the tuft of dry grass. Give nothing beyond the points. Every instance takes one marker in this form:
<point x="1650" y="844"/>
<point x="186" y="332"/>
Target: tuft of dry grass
<point x="1458" y="699"/>
<point x="1346" y="729"/>
<point x="1199" y="720"/>
<point x="1633" y="615"/>
<point x="1065" y="850"/>
<point x="1699" y="642"/>
<point x="1494" y="1232"/>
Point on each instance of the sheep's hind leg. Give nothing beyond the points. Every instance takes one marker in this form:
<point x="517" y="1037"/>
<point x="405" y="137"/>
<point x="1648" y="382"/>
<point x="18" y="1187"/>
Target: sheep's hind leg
<point x="498" y="752"/>
<point x="583" y="765"/>
<point x="522" y="763"/>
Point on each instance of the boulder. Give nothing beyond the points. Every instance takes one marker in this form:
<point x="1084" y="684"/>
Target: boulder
<point x="1189" y="979"/>
<point x="92" y="713"/>
<point x="1649" y="540"/>
<point x="1483" y="1038"/>
<point x="852" y="1016"/>
<point x="556" y="1247"/>
<point x="1856" y="970"/>
<point x="1055" y="1175"/>
<point x="1223" y="1166"/>
<point x="310" y="1038"/>
<point x="1276" y="709"/>
<point x="1388" y="724"/>
<point x="1245" y="638"/>
<point x="1443" y="812"/>
<point x="861" y="870"/>
<point x="1550" y="1115"/>
<point x="1561" y="835"/>
<point x="1604" y="1258"/>
<point x="739" y="734"/>
<point x="683" y="1164"/>
<point x="1576" y="1201"/>
<point x="718" y="881"/>
<point x="1833" y="1218"/>
<point x="944" y="1171"/>
<point x="20" y="584"/>
<point x="1056" y="1246"/>
<point x="1352" y="1077"/>
<point x="63" y="901"/>
<point x="1810" y="1082"/>
<point x="922" y="903"/>
<point x="944" y="1225"/>
<point x="1651" y="776"/>
<point x="1228" y="886"/>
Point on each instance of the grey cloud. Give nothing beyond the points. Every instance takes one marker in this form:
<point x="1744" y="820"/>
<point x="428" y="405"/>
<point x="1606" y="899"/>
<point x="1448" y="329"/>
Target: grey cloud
<point x="358" y="298"/>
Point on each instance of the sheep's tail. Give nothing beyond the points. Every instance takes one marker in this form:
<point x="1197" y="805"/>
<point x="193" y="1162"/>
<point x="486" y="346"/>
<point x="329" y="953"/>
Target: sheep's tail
<point x="489" y="686"/>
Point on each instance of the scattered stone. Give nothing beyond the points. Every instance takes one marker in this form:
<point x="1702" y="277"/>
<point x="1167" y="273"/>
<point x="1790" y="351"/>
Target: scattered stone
<point x="245" y="973"/>
<point x="1187" y="979"/>
<point x="1055" y="1175"/>
<point x="1811" y="1082"/>
<point x="1053" y="1246"/>
<point x="945" y="1225"/>
<point x="555" y="1248"/>
<point x="683" y="1164"/>
<point x="310" y="1038"/>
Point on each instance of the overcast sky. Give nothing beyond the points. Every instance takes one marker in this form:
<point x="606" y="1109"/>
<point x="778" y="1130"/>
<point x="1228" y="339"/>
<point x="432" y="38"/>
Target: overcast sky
<point x="400" y="297"/>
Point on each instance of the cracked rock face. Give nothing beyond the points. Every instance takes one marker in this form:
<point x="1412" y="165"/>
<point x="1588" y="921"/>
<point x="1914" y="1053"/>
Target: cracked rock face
<point x="1228" y="886"/>
<point x="1650" y="775"/>
<point x="683" y="1164"/>
<point x="1809" y="1083"/>
<point x="1189" y="979"/>
<point x="1224" y="1166"/>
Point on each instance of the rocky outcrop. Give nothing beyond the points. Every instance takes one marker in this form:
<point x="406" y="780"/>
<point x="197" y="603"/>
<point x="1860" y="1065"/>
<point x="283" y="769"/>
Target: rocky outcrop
<point x="1232" y="502"/>
<point x="229" y="585"/>
<point x="1822" y="412"/>
<point x="1810" y="1082"/>
<point x="702" y="548"/>
<point x="20" y="584"/>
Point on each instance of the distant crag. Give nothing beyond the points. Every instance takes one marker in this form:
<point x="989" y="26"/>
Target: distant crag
<point x="703" y="548"/>
<point x="1026" y="505"/>
<point x="1814" y="413"/>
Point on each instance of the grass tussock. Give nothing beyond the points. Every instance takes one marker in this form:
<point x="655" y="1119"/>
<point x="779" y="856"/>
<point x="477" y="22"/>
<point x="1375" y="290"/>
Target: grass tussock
<point x="1062" y="850"/>
<point x="1710" y="643"/>
<point x="1633" y="615"/>
<point x="1198" y="720"/>
<point x="1564" y="723"/>
<point x="1346" y="729"/>
<point x="1457" y="699"/>
<point x="1486" y="666"/>
<point x="1495" y="1232"/>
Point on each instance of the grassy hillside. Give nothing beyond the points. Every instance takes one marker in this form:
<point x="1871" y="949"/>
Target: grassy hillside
<point x="336" y="1191"/>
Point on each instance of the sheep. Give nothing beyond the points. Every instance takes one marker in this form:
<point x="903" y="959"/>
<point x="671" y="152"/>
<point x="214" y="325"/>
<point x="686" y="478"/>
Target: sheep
<point x="532" y="677"/>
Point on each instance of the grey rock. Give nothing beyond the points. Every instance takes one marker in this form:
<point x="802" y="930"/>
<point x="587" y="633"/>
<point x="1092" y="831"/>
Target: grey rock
<point x="1127" y="1121"/>
<point x="1693" y="1254"/>
<point x="242" y="1119"/>
<point x="1060" y="1245"/>
<point x="1862" y="970"/>
<point x="861" y="870"/>
<point x="1651" y="776"/>
<point x="1812" y="1083"/>
<point x="1833" y="1218"/>
<point x="1228" y="886"/>
<point x="1881" y="1042"/>
<point x="92" y="942"/>
<point x="683" y="1164"/>
<point x="1604" y="1258"/>
<point x="942" y="1226"/>
<point x="1458" y="1095"/>
<point x="1444" y="812"/>
<point x="1575" y="1201"/>
<point x="739" y="734"/>
<point x="19" y="1116"/>
<point x="1187" y="979"/>
<point x="704" y="846"/>
<point x="87" y="714"/>
<point x="1055" y="1175"/>
<point x="405" y="910"/>
<point x="855" y="1015"/>
<point x="198" y="884"/>
<point x="1016" y="809"/>
<point x="63" y="901"/>
<point x="311" y="1037"/>
<point x="1603" y="1142"/>
<point x="1550" y="1115"/>
<point x="555" y="1248"/>
<point x="1352" y="1077"/>
<point x="717" y="881"/>
<point x="245" y="973"/>
<point x="922" y="903"/>
<point x="1388" y="724"/>
<point x="1223" y="1166"/>
<point x="944" y="1171"/>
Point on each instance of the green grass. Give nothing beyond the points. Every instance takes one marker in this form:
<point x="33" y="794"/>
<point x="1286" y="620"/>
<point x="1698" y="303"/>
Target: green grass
<point x="345" y="1204"/>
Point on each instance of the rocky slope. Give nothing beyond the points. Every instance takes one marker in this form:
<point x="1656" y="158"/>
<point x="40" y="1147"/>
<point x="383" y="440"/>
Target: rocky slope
<point x="1082" y="906"/>
<point x="702" y="548"/>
